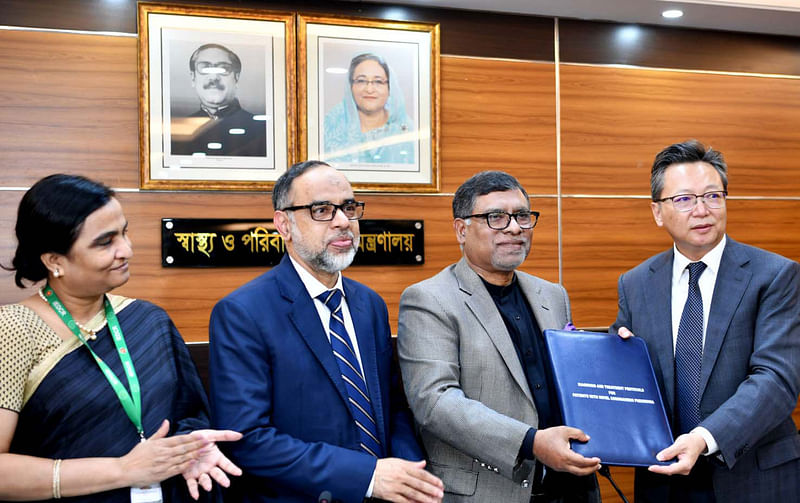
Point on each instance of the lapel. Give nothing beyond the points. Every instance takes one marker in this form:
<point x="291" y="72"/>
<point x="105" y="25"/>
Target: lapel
<point x="544" y="316"/>
<point x="480" y="303"/>
<point x="732" y="281"/>
<point x="658" y="305"/>
<point x="365" y="335"/>
<point x="303" y="315"/>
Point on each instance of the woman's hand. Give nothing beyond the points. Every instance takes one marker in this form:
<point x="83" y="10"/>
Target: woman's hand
<point x="160" y="458"/>
<point x="211" y="463"/>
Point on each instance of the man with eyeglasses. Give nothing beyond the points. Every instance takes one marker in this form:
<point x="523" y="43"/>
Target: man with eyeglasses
<point x="474" y="361"/>
<point x="722" y="323"/>
<point x="221" y="127"/>
<point x="301" y="361"/>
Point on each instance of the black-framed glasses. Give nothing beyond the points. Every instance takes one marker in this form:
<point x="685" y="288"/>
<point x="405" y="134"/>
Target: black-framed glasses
<point x="714" y="199"/>
<point x="324" y="212"/>
<point x="499" y="220"/>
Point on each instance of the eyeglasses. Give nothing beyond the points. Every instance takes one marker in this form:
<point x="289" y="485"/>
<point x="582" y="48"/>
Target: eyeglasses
<point x="214" y="68"/>
<point x="362" y="82"/>
<point x="325" y="212"/>
<point x="686" y="202"/>
<point x="499" y="220"/>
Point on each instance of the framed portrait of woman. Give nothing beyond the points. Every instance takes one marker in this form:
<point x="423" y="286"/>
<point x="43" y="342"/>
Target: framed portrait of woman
<point x="368" y="98"/>
<point x="216" y="97"/>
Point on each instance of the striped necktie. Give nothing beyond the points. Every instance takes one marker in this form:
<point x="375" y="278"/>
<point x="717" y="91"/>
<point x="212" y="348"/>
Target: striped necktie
<point x="689" y="353"/>
<point x="358" y="399"/>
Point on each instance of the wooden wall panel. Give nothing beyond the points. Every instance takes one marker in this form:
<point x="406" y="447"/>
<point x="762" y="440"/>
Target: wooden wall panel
<point x="90" y="125"/>
<point x="615" y="120"/>
<point x="189" y="294"/>
<point x="603" y="238"/>
<point x="70" y="105"/>
<point x="498" y="115"/>
<point x="675" y="47"/>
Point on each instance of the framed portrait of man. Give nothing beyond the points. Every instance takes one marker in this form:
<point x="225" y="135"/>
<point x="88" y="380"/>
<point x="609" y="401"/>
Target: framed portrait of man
<point x="368" y="100"/>
<point x="216" y="91"/>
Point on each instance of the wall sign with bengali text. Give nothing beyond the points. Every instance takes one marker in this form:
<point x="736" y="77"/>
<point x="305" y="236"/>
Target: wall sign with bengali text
<point x="201" y="242"/>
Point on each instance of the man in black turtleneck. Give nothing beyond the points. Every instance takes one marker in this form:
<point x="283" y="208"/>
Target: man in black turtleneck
<point x="474" y="362"/>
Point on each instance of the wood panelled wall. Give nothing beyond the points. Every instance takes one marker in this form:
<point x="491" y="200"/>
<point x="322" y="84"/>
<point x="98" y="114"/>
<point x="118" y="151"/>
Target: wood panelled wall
<point x="69" y="104"/>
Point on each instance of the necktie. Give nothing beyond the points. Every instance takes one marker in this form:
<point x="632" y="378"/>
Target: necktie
<point x="358" y="399"/>
<point x="689" y="353"/>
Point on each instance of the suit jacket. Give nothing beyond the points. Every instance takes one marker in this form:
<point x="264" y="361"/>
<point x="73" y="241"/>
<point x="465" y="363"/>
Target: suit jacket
<point x="750" y="372"/>
<point x="274" y="378"/>
<point x="466" y="385"/>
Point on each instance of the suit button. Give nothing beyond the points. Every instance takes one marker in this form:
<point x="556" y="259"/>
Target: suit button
<point x="483" y="465"/>
<point x="496" y="470"/>
<point x="524" y="483"/>
<point x="489" y="467"/>
<point x="538" y="386"/>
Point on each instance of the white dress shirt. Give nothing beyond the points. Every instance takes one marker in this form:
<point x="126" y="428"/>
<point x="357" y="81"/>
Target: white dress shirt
<point x="680" y="292"/>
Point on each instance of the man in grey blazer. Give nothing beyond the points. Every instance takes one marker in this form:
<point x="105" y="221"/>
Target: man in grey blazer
<point x="474" y="363"/>
<point x="731" y="397"/>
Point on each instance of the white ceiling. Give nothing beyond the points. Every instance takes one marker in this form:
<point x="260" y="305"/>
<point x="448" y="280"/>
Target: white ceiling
<point x="760" y="16"/>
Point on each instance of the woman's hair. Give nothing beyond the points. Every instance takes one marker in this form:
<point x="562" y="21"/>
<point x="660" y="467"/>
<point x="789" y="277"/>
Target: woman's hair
<point x="365" y="57"/>
<point x="50" y="218"/>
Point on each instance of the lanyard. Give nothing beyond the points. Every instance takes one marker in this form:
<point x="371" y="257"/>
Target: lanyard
<point x="131" y="403"/>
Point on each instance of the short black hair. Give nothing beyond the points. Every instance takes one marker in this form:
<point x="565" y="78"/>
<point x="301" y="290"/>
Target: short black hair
<point x="235" y="61"/>
<point x="280" y="192"/>
<point x="481" y="184"/>
<point x="688" y="151"/>
<point x="49" y="220"/>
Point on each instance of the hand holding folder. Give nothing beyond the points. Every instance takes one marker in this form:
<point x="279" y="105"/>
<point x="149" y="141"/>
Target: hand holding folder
<point x="606" y="387"/>
<point x="551" y="448"/>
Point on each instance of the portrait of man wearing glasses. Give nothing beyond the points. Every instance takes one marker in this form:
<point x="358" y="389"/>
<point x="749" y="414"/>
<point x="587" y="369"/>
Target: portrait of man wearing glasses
<point x="302" y="362"/>
<point x="220" y="126"/>
<point x="721" y="320"/>
<point x="474" y="362"/>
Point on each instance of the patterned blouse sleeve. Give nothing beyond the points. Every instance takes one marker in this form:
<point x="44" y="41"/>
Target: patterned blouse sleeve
<point x="16" y="356"/>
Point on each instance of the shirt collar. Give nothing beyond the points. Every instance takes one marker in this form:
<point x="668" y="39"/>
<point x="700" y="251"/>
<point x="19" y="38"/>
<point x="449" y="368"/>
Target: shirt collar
<point x="313" y="286"/>
<point x="710" y="259"/>
<point x="223" y="111"/>
<point x="500" y="291"/>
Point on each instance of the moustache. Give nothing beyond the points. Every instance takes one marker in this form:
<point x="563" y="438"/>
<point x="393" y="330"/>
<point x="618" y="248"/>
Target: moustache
<point x="215" y="84"/>
<point x="342" y="235"/>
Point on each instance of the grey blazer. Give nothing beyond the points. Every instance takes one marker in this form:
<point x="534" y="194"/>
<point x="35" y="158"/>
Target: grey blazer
<point x="465" y="383"/>
<point x="750" y="373"/>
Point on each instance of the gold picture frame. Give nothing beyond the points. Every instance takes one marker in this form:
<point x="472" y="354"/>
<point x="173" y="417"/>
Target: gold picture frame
<point x="368" y="100"/>
<point x="217" y="97"/>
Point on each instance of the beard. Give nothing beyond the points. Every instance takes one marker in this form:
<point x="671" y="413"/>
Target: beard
<point x="324" y="260"/>
<point x="512" y="261"/>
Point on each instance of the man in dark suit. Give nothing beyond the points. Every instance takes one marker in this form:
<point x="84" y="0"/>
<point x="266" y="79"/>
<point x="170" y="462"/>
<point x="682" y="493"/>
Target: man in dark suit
<point x="307" y="379"/>
<point x="722" y="323"/>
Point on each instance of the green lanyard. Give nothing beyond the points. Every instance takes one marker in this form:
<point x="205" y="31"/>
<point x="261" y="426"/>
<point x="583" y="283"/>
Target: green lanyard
<point x="131" y="403"/>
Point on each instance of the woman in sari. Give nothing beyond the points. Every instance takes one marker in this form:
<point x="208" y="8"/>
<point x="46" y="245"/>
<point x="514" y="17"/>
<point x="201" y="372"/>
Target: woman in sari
<point x="73" y="423"/>
<point x="370" y="124"/>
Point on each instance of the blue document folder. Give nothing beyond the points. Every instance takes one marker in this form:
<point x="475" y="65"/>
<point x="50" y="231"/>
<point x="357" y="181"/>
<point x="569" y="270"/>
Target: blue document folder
<point x="607" y="388"/>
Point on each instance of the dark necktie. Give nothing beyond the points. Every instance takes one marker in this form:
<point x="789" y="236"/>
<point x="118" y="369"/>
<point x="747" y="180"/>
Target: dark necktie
<point x="359" y="401"/>
<point x="689" y="353"/>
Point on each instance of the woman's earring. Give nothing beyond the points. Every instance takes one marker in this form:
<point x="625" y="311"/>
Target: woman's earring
<point x="57" y="273"/>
